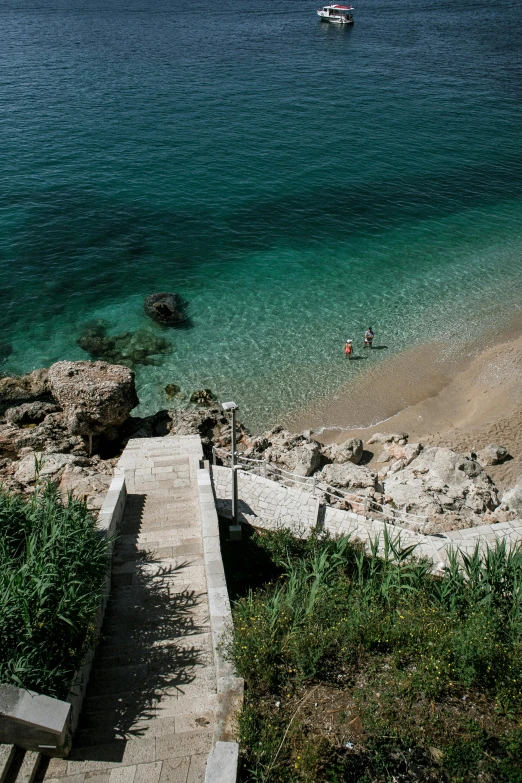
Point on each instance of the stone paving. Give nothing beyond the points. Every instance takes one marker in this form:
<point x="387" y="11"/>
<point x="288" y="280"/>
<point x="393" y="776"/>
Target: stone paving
<point x="149" y="715"/>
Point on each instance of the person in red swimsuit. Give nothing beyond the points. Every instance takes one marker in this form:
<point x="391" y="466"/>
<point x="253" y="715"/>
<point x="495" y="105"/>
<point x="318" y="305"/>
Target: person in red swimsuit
<point x="348" y="349"/>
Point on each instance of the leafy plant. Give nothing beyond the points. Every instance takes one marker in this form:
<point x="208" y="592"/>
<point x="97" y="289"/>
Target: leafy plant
<point x="52" y="570"/>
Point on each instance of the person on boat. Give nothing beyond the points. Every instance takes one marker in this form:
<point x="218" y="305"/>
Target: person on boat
<point x="348" y="349"/>
<point x="368" y="337"/>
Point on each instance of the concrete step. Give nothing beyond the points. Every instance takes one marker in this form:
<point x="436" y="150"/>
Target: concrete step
<point x="160" y="710"/>
<point x="23" y="767"/>
<point x="148" y="728"/>
<point x="7" y="753"/>
<point x="168" y="699"/>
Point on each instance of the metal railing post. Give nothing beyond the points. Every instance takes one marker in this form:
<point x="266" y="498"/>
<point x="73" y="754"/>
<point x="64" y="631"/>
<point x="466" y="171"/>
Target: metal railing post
<point x="214" y="456"/>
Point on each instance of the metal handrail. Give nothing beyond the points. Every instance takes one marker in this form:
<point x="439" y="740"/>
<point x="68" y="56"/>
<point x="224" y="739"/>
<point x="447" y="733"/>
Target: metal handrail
<point x="369" y="504"/>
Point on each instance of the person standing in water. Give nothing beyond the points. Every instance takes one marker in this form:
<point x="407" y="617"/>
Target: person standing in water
<point x="348" y="349"/>
<point x="368" y="337"/>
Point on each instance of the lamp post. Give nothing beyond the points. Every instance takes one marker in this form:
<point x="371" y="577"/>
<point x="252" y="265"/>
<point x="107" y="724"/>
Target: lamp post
<point x="235" y="528"/>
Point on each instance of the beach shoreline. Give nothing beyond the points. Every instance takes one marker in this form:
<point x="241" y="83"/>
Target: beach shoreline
<point x="464" y="399"/>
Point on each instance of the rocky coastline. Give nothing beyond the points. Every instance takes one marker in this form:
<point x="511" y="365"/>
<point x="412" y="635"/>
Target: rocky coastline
<point x="71" y="422"/>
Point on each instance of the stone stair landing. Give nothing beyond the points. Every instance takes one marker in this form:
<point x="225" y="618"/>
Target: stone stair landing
<point x="149" y="715"/>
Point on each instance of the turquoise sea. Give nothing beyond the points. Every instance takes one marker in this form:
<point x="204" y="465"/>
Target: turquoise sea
<point x="295" y="181"/>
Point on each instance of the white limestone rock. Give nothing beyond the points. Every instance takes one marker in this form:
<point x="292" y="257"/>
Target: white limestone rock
<point x="349" y="451"/>
<point x="449" y="489"/>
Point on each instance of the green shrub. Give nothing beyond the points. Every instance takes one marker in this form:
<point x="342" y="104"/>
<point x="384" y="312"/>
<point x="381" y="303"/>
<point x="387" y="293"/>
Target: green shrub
<point x="431" y="669"/>
<point x="52" y="569"/>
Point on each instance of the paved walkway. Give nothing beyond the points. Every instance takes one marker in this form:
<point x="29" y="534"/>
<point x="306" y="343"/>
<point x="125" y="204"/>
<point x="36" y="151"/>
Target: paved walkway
<point x="150" y="710"/>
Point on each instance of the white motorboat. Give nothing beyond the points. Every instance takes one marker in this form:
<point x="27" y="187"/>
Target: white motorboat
<point x="338" y="14"/>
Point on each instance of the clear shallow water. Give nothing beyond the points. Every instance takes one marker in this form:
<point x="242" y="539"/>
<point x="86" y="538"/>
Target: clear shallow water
<point x="294" y="181"/>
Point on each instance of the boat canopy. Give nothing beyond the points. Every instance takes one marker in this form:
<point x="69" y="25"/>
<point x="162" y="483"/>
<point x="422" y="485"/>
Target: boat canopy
<point x="341" y="7"/>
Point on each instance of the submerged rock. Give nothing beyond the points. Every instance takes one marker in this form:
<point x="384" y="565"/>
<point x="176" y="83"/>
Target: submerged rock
<point x="172" y="389"/>
<point x="94" y="395"/>
<point x="6" y="349"/>
<point x="167" y="309"/>
<point x="129" y="348"/>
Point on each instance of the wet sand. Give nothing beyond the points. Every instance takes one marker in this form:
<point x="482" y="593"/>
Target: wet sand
<point x="465" y="400"/>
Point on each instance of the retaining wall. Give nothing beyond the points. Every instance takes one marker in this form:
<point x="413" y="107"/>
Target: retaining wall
<point x="265" y="503"/>
<point x="109" y="520"/>
<point x="271" y="505"/>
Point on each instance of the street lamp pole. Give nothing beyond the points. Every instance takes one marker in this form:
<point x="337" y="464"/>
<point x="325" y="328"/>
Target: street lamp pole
<point x="232" y="407"/>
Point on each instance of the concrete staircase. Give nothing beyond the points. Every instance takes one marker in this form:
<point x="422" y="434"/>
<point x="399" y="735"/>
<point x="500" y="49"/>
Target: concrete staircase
<point x="17" y="765"/>
<point x="149" y="715"/>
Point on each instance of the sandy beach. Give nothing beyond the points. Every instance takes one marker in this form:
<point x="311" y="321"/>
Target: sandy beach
<point x="465" y="400"/>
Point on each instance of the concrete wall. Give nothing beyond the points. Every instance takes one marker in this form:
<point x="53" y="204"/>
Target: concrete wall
<point x="223" y="760"/>
<point x="268" y="504"/>
<point x="265" y="503"/>
<point x="39" y="723"/>
<point x="109" y="520"/>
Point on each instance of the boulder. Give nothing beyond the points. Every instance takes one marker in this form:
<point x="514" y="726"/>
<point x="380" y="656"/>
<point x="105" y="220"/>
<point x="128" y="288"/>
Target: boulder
<point x="349" y="451"/>
<point x="30" y="413"/>
<point x="401" y="456"/>
<point x="298" y="454"/>
<point x="46" y="465"/>
<point x="396" y="437"/>
<point x="87" y="482"/>
<point x="24" y="388"/>
<point x="94" y="395"/>
<point x="492" y="455"/>
<point x="349" y="476"/>
<point x="166" y="308"/>
<point x="512" y="499"/>
<point x="450" y="490"/>
<point x="202" y="397"/>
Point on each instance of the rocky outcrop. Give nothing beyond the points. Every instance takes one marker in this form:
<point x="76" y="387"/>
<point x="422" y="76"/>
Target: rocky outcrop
<point x="50" y="435"/>
<point x="399" y="456"/>
<point x="94" y="395"/>
<point x="350" y="477"/>
<point x="349" y="451"/>
<point x="24" y="388"/>
<point x="166" y="308"/>
<point x="42" y="465"/>
<point x="446" y="488"/>
<point x="297" y="454"/>
<point x="30" y="413"/>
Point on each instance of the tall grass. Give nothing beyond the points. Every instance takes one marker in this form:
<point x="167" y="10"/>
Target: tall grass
<point x="52" y="570"/>
<point x="403" y="645"/>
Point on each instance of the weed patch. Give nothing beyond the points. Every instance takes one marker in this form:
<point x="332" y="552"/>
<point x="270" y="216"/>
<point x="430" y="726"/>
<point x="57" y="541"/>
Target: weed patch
<point x="366" y="668"/>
